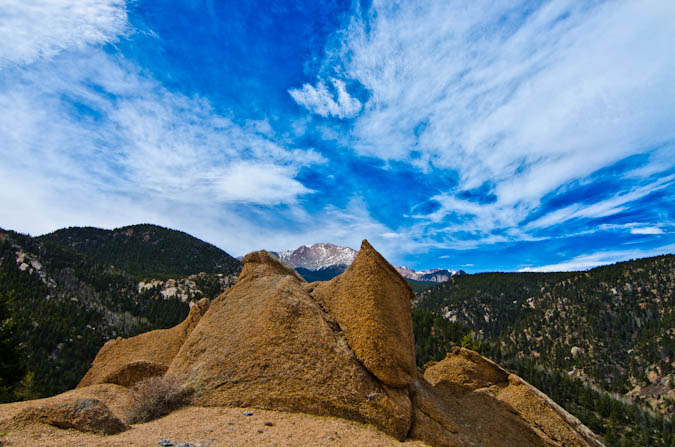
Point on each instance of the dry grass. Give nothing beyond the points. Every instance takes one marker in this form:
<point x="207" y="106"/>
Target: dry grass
<point x="155" y="397"/>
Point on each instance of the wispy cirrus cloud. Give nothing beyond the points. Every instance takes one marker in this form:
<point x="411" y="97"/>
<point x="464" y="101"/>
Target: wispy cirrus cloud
<point x="98" y="120"/>
<point x="590" y="260"/>
<point x="607" y="207"/>
<point x="524" y="99"/>
<point x="92" y="139"/>
<point x="40" y="29"/>
<point x="646" y="230"/>
<point x="439" y="129"/>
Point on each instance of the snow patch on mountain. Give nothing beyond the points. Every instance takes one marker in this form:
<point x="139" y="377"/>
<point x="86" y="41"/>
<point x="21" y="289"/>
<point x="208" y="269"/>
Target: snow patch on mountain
<point x="431" y="275"/>
<point x="318" y="256"/>
<point x="324" y="255"/>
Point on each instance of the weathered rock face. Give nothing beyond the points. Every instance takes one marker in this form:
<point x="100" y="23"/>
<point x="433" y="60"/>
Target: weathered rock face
<point x="90" y="415"/>
<point x="267" y="343"/>
<point x="371" y="304"/>
<point x="467" y="399"/>
<point x="127" y="361"/>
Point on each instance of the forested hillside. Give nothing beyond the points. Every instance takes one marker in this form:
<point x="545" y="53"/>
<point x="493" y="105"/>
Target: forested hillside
<point x="64" y="303"/>
<point x="146" y="251"/>
<point x="619" y="422"/>
<point x="611" y="328"/>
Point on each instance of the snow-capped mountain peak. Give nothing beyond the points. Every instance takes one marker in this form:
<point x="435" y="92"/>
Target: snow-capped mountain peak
<point x="318" y="256"/>
<point x="431" y="275"/>
<point x="325" y="255"/>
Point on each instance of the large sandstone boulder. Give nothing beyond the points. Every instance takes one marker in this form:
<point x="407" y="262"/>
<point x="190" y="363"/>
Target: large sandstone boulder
<point x="267" y="343"/>
<point x="371" y="304"/>
<point x="117" y="398"/>
<point x="88" y="415"/>
<point x="127" y="361"/>
<point x="467" y="399"/>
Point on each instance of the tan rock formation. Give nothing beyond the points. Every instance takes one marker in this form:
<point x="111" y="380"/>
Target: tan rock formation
<point x="267" y="343"/>
<point x="467" y="399"/>
<point x="467" y="370"/>
<point x="127" y="361"/>
<point x="87" y="415"/>
<point x="117" y="398"/>
<point x="371" y="304"/>
<point x="342" y="348"/>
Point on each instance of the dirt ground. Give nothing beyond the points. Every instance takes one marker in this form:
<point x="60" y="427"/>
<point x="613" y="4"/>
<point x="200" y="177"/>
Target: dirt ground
<point x="215" y="427"/>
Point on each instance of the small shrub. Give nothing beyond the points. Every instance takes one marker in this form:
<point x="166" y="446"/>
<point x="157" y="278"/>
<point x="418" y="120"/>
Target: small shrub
<point x="155" y="397"/>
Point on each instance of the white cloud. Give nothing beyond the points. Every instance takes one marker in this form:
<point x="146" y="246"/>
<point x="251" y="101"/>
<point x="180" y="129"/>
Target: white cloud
<point x="587" y="261"/>
<point x="603" y="208"/>
<point x="35" y="29"/>
<point x="527" y="103"/>
<point x="259" y="183"/>
<point x="321" y="100"/>
<point x="144" y="140"/>
<point x="646" y="230"/>
<point x="91" y="140"/>
<point x="391" y="235"/>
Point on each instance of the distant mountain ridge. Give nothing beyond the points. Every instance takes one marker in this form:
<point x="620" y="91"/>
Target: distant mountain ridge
<point x="323" y="261"/>
<point x="432" y="275"/>
<point x="146" y="250"/>
<point x="317" y="256"/>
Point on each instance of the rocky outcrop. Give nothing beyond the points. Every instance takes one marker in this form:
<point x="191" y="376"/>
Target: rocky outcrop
<point x="127" y="361"/>
<point x="341" y="348"/>
<point x="88" y="415"/>
<point x="267" y="343"/>
<point x="117" y="398"/>
<point x="467" y="399"/>
<point x="465" y="369"/>
<point x="371" y="304"/>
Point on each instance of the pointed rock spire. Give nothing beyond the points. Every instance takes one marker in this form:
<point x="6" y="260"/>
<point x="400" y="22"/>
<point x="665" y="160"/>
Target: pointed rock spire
<point x="267" y="343"/>
<point x="371" y="303"/>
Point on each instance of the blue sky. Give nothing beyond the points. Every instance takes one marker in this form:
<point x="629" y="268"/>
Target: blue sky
<point x="481" y="135"/>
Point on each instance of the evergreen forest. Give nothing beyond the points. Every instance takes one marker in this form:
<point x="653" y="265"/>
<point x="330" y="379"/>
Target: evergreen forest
<point x="599" y="342"/>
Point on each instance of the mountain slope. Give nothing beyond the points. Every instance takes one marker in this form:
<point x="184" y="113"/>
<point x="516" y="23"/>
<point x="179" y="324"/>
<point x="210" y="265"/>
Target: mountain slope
<point x="613" y="326"/>
<point x="620" y="422"/>
<point x="147" y="251"/>
<point x="66" y="303"/>
<point x="322" y="274"/>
